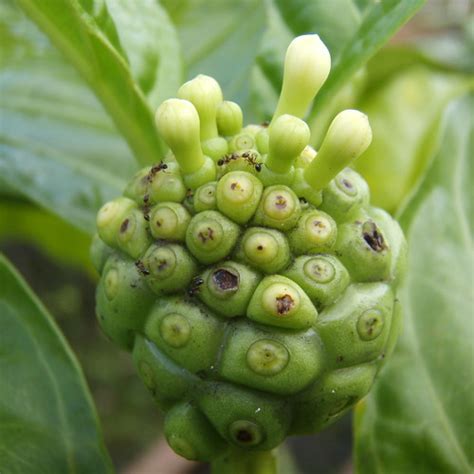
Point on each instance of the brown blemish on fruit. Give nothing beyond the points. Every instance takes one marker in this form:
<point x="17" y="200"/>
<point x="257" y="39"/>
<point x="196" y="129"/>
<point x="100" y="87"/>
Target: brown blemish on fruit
<point x="124" y="226"/>
<point x="208" y="235"/>
<point x="233" y="186"/>
<point x="284" y="304"/>
<point x="225" y="280"/>
<point x="373" y="237"/>
<point x="280" y="202"/>
<point x="162" y="264"/>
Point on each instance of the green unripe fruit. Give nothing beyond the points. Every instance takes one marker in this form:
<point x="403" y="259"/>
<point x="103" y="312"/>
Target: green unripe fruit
<point x="169" y="221"/>
<point x="316" y="232"/>
<point x="245" y="418"/>
<point x="249" y="161"/>
<point x="157" y="183"/>
<point x="123" y="300"/>
<point x="346" y="328"/>
<point x="272" y="360"/>
<point x="167" y="268"/>
<point x="227" y="288"/>
<point x="190" y="434"/>
<point x="238" y="194"/>
<point x="215" y="148"/>
<point x="264" y="249"/>
<point x="99" y="253"/>
<point x="396" y="242"/>
<point x="167" y="381"/>
<point x="186" y="332"/>
<point x="333" y="395"/>
<point x="211" y="236"/>
<point x="204" y="198"/>
<point x="279" y="208"/>
<point x="241" y="142"/>
<point x="364" y="250"/>
<point x="279" y="301"/>
<point x="133" y="237"/>
<point x="248" y="273"/>
<point x="322" y="277"/>
<point x="345" y="195"/>
<point x="110" y="218"/>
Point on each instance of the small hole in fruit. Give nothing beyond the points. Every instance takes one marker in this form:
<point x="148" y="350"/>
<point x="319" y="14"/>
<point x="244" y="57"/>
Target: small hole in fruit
<point x="373" y="237"/>
<point x="225" y="280"/>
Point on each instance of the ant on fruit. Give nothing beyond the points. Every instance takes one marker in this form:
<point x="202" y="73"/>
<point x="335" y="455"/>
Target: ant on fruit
<point x="141" y="268"/>
<point x="195" y="286"/>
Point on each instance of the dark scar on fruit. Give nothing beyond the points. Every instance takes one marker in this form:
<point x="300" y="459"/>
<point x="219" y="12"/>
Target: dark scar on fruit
<point x="284" y="304"/>
<point x="373" y="237"/>
<point x="225" y="280"/>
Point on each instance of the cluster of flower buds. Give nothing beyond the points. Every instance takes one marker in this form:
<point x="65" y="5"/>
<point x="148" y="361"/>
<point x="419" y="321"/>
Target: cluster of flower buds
<point x="248" y="273"/>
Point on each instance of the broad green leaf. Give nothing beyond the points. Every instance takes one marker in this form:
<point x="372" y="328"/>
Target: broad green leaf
<point x="220" y="38"/>
<point x="57" y="146"/>
<point x="379" y="24"/>
<point x="336" y="25"/>
<point x="23" y="222"/>
<point x="76" y="33"/>
<point x="404" y="112"/>
<point x="151" y="46"/>
<point x="47" y="419"/>
<point x="419" y="416"/>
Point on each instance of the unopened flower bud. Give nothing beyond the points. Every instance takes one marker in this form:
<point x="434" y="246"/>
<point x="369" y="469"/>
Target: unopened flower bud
<point x="349" y="135"/>
<point x="205" y="94"/>
<point x="307" y="65"/>
<point x="229" y="118"/>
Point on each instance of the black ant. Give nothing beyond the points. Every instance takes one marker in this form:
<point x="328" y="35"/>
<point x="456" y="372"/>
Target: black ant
<point x="156" y="169"/>
<point x="227" y="159"/>
<point x="141" y="268"/>
<point x="195" y="286"/>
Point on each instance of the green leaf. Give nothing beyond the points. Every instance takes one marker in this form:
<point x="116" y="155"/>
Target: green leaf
<point x="47" y="419"/>
<point x="57" y="146"/>
<point x="151" y="46"/>
<point x="420" y="414"/>
<point x="379" y="24"/>
<point x="23" y="222"/>
<point x="76" y="33"/>
<point x="404" y="110"/>
<point x="220" y="38"/>
<point x="335" y="25"/>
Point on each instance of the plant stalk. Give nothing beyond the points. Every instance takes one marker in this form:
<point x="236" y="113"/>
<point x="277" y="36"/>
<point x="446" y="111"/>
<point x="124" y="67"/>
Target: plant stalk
<point x="237" y="461"/>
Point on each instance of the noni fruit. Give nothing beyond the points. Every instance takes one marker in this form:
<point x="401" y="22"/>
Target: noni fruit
<point x="247" y="273"/>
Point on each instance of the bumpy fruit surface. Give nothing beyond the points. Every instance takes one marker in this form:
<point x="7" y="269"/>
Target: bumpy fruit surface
<point x="249" y="275"/>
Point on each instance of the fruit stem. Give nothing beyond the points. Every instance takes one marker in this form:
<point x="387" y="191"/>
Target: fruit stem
<point x="237" y="461"/>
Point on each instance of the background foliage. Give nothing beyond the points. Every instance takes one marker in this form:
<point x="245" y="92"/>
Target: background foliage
<point x="76" y="105"/>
